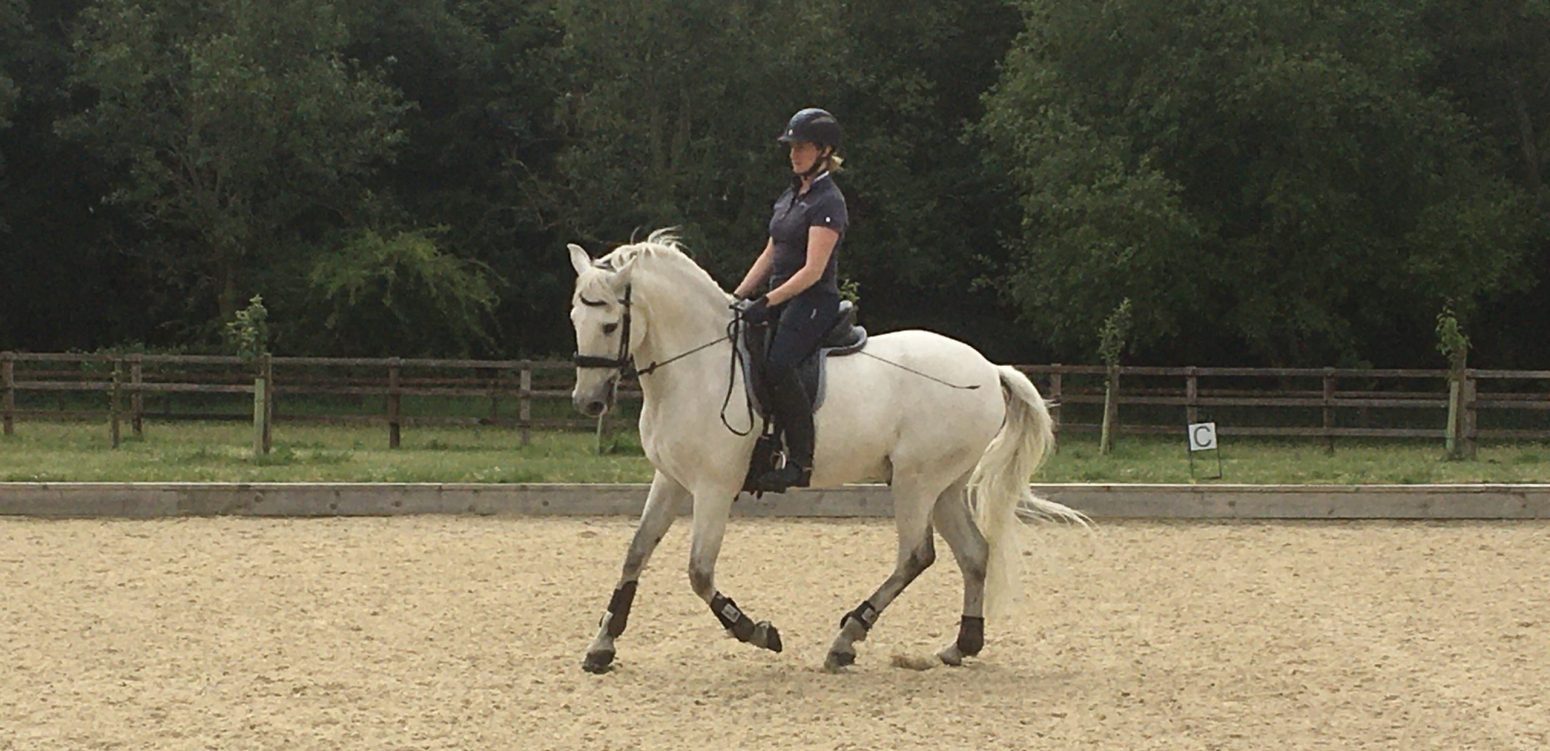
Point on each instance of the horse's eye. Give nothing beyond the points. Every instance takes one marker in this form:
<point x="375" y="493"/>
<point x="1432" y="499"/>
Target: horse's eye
<point x="609" y="328"/>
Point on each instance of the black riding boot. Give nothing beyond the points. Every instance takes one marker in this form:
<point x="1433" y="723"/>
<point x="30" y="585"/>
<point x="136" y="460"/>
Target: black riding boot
<point x="795" y="413"/>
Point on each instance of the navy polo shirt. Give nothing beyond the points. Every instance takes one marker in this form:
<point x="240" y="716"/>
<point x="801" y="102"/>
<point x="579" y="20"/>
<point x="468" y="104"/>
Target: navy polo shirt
<point x="821" y="206"/>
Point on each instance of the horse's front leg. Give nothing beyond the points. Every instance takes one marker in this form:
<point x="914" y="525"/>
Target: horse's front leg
<point x="711" y="511"/>
<point x="662" y="505"/>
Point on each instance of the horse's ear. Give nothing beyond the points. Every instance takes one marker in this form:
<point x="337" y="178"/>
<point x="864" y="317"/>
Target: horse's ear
<point x="579" y="259"/>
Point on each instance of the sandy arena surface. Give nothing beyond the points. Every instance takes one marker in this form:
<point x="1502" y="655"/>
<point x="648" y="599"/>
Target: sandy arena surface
<point x="468" y="633"/>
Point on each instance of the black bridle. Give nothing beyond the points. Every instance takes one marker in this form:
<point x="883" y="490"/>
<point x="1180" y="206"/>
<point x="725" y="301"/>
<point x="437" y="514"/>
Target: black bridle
<point x="624" y="363"/>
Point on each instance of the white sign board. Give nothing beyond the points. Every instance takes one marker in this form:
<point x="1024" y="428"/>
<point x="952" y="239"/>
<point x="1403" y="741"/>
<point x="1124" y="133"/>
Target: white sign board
<point x="1202" y="436"/>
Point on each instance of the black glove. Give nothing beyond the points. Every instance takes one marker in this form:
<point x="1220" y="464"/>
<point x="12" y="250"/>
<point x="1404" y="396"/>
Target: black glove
<point x="755" y="311"/>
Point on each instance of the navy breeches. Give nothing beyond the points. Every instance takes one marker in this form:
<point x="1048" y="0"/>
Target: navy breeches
<point x="803" y="322"/>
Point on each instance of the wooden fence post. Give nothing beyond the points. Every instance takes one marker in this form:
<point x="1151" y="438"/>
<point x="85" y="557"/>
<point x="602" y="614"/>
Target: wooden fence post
<point x="268" y="403"/>
<point x="261" y="408"/>
<point x="8" y="382"/>
<point x="114" y="403"/>
<point x="1110" y="410"/>
<point x="1467" y="428"/>
<point x="136" y="399"/>
<point x="394" y="404"/>
<point x="1451" y="441"/>
<point x="1191" y="393"/>
<point x="525" y="404"/>
<point x="495" y="375"/>
<point x="1054" y="395"/>
<point x="1329" y="410"/>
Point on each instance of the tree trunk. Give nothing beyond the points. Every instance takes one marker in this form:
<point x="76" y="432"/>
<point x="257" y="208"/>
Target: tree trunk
<point x="1527" y="136"/>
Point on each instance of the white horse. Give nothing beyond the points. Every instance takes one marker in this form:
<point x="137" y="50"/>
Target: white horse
<point x="958" y="458"/>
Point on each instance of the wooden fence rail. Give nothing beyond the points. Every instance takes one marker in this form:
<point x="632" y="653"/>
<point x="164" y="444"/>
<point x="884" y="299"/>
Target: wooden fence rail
<point x="1324" y="403"/>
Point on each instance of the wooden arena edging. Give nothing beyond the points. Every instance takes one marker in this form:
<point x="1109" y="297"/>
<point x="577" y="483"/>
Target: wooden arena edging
<point x="160" y="500"/>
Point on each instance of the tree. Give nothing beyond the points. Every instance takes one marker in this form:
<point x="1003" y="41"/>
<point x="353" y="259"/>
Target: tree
<point x="240" y="129"/>
<point x="927" y="215"/>
<point x="398" y="295"/>
<point x="1492" y="60"/>
<point x="66" y="284"/>
<point x="14" y="30"/>
<point x="676" y="126"/>
<point x="483" y="80"/>
<point x="1264" y="175"/>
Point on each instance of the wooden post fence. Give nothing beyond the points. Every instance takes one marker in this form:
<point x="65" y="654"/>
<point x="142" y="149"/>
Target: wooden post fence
<point x="1280" y="407"/>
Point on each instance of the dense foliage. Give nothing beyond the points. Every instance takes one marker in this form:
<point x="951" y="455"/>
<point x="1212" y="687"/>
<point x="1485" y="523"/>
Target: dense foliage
<point x="1266" y="181"/>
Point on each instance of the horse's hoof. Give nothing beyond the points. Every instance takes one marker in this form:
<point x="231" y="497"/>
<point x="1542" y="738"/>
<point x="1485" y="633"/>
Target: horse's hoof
<point x="771" y="636"/>
<point x="951" y="656"/>
<point x="837" y="661"/>
<point x="598" y="663"/>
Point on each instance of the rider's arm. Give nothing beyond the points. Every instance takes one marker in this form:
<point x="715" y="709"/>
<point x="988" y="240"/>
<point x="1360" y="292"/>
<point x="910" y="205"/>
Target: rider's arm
<point x="758" y="272"/>
<point x="820" y="245"/>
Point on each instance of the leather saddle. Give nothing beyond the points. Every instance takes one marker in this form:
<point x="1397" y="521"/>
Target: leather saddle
<point x="844" y="337"/>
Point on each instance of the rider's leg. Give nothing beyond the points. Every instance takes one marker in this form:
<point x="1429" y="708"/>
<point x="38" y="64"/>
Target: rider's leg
<point x="790" y="403"/>
<point x="802" y="325"/>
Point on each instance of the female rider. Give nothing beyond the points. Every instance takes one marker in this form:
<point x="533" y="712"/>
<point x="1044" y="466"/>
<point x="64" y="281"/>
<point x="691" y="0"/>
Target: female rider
<point x="797" y="270"/>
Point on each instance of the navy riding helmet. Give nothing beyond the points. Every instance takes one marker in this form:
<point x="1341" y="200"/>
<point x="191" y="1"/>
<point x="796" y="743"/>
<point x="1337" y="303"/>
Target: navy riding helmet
<point x="813" y="125"/>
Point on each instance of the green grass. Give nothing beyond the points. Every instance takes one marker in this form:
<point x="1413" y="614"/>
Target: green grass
<point x="1274" y="461"/>
<point x="221" y="452"/>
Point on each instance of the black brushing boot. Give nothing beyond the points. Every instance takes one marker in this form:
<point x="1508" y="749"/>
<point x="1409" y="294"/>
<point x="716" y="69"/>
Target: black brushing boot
<point x="795" y="414"/>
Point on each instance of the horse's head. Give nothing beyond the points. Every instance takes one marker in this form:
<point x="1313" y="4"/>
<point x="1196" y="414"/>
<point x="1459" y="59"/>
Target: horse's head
<point x="609" y="329"/>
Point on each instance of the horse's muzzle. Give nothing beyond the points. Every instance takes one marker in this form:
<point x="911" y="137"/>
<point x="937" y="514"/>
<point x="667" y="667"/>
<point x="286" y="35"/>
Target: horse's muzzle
<point x="591" y="408"/>
<point x="596" y="401"/>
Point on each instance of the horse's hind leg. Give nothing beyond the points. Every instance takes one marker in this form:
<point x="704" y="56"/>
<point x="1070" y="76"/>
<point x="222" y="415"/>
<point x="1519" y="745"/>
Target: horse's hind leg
<point x="954" y="520"/>
<point x="912" y="507"/>
<point x="710" y="525"/>
<point x="662" y="505"/>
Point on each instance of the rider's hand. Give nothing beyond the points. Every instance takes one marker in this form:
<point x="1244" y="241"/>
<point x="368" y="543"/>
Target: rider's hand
<point x="755" y="311"/>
